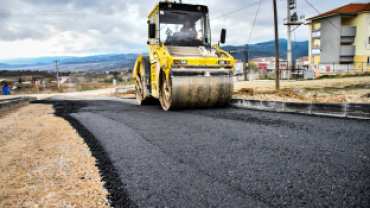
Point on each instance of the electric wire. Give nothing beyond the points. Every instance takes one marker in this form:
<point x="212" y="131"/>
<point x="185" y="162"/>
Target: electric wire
<point x="254" y="22"/>
<point x="230" y="8"/>
<point x="320" y="13"/>
<point x="94" y="12"/>
<point x="236" y="10"/>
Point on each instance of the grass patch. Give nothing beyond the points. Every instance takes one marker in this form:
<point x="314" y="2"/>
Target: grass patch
<point x="343" y="75"/>
<point x="336" y="87"/>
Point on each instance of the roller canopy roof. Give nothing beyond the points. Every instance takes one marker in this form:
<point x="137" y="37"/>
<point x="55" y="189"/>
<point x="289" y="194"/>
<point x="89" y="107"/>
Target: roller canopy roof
<point x="184" y="7"/>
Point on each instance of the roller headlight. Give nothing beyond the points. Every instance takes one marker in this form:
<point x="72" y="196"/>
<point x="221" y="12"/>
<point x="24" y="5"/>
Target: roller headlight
<point x="223" y="62"/>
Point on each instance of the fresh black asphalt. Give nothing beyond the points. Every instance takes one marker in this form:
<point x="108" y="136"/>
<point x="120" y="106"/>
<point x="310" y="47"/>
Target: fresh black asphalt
<point x="225" y="157"/>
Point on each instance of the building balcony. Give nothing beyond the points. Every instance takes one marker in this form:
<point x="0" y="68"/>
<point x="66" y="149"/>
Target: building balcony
<point x="347" y="53"/>
<point x="347" y="50"/>
<point x="316" y="34"/>
<point x="348" y="34"/>
<point x="316" y="52"/>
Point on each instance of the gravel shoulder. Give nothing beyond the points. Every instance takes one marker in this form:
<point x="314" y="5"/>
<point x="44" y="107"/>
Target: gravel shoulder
<point x="45" y="163"/>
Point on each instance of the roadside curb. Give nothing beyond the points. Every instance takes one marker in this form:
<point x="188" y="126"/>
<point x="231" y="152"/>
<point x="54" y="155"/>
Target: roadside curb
<point x="344" y="110"/>
<point x="14" y="102"/>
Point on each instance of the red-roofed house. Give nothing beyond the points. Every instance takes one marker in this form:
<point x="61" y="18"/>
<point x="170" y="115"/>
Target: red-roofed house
<point x="339" y="40"/>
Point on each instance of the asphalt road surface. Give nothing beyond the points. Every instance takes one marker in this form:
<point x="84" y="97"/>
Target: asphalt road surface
<point x="226" y="157"/>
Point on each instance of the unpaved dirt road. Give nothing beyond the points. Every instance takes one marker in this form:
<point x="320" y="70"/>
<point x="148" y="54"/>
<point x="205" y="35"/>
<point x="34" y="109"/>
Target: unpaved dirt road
<point x="223" y="157"/>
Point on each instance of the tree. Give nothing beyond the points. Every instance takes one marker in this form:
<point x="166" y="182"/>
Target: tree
<point x="115" y="73"/>
<point x="48" y="80"/>
<point x="34" y="79"/>
<point x="252" y="65"/>
<point x="20" y="80"/>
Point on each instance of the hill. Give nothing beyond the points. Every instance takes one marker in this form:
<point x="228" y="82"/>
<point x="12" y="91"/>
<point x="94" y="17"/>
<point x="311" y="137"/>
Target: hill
<point x="113" y="62"/>
<point x="267" y="49"/>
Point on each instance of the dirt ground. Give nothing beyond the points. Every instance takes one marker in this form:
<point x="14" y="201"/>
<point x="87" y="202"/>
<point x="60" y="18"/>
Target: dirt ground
<point x="338" y="90"/>
<point x="270" y="85"/>
<point x="45" y="163"/>
<point x="128" y="94"/>
<point x="50" y="88"/>
<point x="286" y="94"/>
<point x="354" y="89"/>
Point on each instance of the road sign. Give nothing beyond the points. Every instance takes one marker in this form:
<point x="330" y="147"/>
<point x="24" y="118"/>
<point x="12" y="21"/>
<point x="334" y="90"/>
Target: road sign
<point x="37" y="82"/>
<point x="262" y="66"/>
<point x="328" y="69"/>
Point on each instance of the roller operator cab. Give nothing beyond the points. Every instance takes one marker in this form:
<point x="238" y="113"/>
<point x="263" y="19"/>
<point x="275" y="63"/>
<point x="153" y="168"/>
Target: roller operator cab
<point x="183" y="69"/>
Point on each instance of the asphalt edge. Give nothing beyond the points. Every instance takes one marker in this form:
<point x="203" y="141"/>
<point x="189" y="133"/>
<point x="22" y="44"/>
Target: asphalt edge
<point x="14" y="102"/>
<point x="118" y="197"/>
<point x="341" y="110"/>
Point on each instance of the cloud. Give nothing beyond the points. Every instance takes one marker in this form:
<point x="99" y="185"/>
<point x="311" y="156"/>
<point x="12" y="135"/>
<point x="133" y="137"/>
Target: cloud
<point x="80" y="27"/>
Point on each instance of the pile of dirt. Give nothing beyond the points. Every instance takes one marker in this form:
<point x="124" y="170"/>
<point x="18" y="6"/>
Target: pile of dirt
<point x="284" y="93"/>
<point x="127" y="94"/>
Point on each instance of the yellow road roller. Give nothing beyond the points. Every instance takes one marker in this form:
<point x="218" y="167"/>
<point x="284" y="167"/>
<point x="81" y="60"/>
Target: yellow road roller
<point x="183" y="69"/>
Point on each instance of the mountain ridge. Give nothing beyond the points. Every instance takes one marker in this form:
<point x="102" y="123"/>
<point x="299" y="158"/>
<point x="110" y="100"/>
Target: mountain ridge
<point x="110" y="62"/>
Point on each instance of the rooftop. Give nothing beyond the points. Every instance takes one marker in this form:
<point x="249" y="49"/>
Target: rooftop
<point x="347" y="9"/>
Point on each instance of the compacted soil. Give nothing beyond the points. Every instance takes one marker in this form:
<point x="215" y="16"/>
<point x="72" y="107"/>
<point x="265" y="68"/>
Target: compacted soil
<point x="45" y="163"/>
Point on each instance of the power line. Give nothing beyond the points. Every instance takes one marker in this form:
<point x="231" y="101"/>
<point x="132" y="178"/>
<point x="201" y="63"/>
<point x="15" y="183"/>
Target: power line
<point x="254" y="22"/>
<point x="320" y="13"/>
<point x="313" y="7"/>
<point x="230" y="8"/>
<point x="236" y="10"/>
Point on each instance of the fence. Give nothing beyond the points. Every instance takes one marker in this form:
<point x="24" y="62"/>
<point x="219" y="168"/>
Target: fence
<point x="301" y="70"/>
<point x="333" y="68"/>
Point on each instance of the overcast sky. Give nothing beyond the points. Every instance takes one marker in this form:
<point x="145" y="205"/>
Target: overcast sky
<point x="35" y="28"/>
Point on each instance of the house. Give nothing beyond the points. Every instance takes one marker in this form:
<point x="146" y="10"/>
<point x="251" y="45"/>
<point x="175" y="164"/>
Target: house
<point x="339" y="40"/>
<point x="268" y="63"/>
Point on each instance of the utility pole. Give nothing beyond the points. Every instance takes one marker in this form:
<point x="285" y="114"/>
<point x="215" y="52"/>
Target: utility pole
<point x="289" y="37"/>
<point x="291" y="20"/>
<point x="277" y="84"/>
<point x="56" y="64"/>
<point x="245" y="71"/>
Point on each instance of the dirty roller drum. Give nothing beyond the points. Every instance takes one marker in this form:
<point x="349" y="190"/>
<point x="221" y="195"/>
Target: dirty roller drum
<point x="196" y="89"/>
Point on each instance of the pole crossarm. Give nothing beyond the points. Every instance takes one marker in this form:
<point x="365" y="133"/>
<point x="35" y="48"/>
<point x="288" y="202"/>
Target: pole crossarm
<point x="237" y="51"/>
